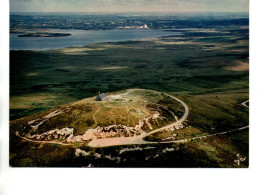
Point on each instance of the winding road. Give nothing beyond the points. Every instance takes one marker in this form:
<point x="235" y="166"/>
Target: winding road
<point x="140" y="139"/>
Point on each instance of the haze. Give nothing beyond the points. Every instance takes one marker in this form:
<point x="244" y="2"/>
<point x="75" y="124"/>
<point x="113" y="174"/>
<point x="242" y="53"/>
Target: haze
<point x="129" y="6"/>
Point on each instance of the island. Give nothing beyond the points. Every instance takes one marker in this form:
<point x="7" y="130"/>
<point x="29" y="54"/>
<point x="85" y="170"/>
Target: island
<point x="44" y="34"/>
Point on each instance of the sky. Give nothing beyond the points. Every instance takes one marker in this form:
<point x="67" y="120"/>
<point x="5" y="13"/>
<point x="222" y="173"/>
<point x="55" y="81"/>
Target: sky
<point x="129" y="5"/>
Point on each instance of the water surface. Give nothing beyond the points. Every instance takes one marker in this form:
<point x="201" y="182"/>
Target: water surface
<point x="83" y="37"/>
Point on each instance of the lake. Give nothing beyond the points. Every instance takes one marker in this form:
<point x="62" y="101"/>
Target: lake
<point x="83" y="37"/>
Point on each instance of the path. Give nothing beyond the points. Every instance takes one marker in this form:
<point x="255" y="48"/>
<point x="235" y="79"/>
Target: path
<point x="205" y="136"/>
<point x="138" y="139"/>
<point x="183" y="118"/>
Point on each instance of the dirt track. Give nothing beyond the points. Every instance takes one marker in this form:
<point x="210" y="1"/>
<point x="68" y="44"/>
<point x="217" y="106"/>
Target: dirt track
<point x="140" y="139"/>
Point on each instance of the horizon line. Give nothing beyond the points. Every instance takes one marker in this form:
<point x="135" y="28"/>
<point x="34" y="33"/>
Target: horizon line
<point x="140" y="13"/>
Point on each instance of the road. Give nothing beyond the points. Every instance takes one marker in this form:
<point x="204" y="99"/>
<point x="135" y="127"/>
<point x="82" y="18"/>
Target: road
<point x="138" y="139"/>
<point x="206" y="136"/>
<point x="183" y="118"/>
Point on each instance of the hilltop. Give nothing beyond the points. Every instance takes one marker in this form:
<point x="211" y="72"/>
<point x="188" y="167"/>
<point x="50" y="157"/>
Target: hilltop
<point x="200" y="130"/>
<point x="131" y="113"/>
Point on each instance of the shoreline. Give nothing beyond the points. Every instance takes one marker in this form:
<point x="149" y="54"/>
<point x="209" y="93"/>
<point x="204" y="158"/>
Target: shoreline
<point x="87" y="38"/>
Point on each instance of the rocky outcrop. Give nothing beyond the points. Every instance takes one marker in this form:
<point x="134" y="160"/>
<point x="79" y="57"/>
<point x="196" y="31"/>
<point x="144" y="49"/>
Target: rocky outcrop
<point x="62" y="134"/>
<point x="80" y="152"/>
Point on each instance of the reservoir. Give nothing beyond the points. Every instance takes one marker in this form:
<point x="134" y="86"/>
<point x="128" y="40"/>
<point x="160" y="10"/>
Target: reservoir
<point x="83" y="37"/>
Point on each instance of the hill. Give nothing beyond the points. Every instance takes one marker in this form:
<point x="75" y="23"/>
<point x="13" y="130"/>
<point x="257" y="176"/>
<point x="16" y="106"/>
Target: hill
<point x="152" y="125"/>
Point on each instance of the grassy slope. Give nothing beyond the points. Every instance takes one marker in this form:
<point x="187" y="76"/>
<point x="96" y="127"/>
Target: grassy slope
<point x="89" y="113"/>
<point x="190" y="64"/>
<point x="218" y="151"/>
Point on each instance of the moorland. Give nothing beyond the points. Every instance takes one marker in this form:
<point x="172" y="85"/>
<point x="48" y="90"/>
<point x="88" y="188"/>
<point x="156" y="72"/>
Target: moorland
<point x="206" y="66"/>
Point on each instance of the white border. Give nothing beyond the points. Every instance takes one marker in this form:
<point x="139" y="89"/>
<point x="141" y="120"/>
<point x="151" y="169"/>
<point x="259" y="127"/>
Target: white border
<point x="44" y="181"/>
<point x="4" y="95"/>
